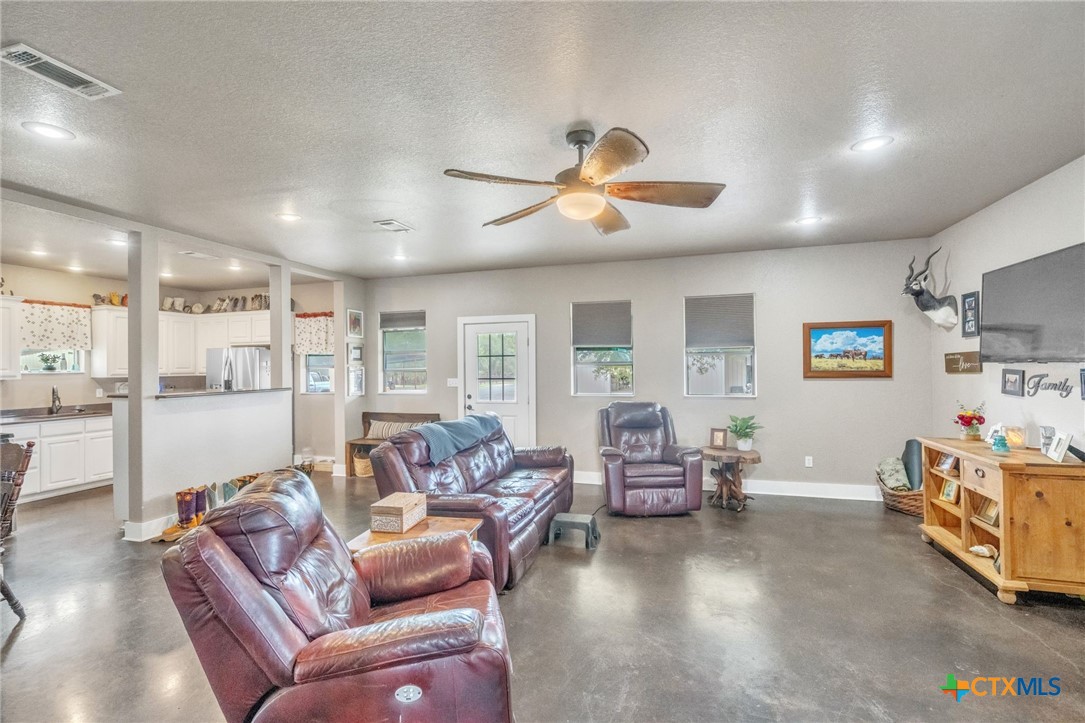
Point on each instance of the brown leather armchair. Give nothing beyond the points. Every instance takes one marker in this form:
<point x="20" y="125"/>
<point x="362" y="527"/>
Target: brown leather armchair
<point x="289" y="626"/>
<point x="645" y="473"/>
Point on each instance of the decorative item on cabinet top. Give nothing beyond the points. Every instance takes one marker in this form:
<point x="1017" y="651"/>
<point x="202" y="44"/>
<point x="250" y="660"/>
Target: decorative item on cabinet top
<point x="256" y="302"/>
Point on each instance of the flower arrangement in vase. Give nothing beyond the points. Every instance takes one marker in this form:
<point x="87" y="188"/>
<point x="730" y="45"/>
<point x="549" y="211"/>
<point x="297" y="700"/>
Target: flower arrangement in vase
<point x="970" y="421"/>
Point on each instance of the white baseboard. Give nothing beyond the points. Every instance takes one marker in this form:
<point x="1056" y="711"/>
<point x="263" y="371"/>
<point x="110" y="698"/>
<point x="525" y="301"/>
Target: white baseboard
<point x="143" y="531"/>
<point x="339" y="470"/>
<point x="824" y="490"/>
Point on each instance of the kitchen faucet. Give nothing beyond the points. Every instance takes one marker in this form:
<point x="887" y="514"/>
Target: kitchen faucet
<point x="55" y="407"/>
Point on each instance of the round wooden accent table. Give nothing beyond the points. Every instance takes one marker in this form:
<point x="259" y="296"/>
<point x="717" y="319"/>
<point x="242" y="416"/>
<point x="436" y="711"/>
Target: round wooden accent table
<point x="728" y="474"/>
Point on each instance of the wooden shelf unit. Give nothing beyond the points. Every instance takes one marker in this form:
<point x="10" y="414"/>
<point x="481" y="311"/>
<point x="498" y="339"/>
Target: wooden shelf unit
<point x="1040" y="533"/>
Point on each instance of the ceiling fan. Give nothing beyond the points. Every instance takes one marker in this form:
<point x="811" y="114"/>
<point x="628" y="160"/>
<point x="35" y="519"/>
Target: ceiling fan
<point x="582" y="189"/>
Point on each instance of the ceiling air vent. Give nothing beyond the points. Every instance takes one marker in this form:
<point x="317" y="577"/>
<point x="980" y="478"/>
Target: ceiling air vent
<point x="390" y="224"/>
<point x="52" y="70"/>
<point x="197" y="255"/>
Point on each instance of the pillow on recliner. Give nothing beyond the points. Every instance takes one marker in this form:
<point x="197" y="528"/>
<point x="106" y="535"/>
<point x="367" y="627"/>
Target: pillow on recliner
<point x="639" y="419"/>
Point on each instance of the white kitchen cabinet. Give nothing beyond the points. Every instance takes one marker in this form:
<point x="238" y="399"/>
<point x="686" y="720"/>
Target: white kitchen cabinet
<point x="109" y="341"/>
<point x="240" y="328"/>
<point x="261" y="327"/>
<point x="163" y="345"/>
<point x="11" y="313"/>
<point x="29" y="433"/>
<point x="181" y="343"/>
<point x="98" y="449"/>
<point x="211" y="333"/>
<point x="249" y="327"/>
<point x="62" y="455"/>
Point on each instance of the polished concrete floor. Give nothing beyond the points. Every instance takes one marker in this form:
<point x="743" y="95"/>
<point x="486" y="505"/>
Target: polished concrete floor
<point x="797" y="610"/>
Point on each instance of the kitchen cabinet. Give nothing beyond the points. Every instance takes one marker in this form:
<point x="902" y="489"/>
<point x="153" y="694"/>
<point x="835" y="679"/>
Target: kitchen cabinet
<point x="180" y="344"/>
<point x="62" y="454"/>
<point x="29" y="433"/>
<point x="163" y="345"/>
<point x="211" y="333"/>
<point x="261" y="327"/>
<point x="240" y="329"/>
<point x="11" y="312"/>
<point x="68" y="453"/>
<point x="109" y="341"/>
<point x="98" y="448"/>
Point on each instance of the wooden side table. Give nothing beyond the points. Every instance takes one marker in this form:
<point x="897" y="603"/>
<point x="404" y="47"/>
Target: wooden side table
<point x="728" y="474"/>
<point x="426" y="528"/>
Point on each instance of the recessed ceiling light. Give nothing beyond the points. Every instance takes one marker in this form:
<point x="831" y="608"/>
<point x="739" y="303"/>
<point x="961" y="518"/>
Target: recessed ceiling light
<point x="872" y="144"/>
<point x="39" y="252"/>
<point x="808" y="220"/>
<point x="49" y="131"/>
<point x="288" y="217"/>
<point x="400" y="257"/>
<point x="75" y="268"/>
<point x="166" y="275"/>
<point x="119" y="242"/>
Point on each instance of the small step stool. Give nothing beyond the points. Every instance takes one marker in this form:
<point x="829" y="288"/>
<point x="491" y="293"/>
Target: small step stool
<point x="566" y="521"/>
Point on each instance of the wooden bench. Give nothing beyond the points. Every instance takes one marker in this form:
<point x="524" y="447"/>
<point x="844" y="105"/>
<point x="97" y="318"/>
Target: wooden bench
<point x="366" y="443"/>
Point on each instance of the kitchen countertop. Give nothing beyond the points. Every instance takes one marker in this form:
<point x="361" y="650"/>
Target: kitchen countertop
<point x="205" y="393"/>
<point x="41" y="414"/>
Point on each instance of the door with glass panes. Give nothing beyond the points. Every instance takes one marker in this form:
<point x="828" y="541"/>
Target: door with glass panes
<point x="497" y="376"/>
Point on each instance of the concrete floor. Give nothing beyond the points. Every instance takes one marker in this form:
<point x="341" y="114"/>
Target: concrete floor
<point x="796" y="609"/>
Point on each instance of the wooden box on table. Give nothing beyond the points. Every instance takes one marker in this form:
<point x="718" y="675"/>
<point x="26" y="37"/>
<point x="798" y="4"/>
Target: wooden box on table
<point x="398" y="512"/>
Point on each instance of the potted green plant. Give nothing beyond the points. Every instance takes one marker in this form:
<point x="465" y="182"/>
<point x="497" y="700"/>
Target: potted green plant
<point x="49" y="361"/>
<point x="743" y="428"/>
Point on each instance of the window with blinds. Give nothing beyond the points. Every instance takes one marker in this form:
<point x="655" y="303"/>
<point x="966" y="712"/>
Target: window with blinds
<point x="403" y="351"/>
<point x="720" y="346"/>
<point x="602" y="341"/>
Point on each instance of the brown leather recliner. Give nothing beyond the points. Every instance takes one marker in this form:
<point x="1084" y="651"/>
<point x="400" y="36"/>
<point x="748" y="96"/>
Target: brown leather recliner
<point x="645" y="473"/>
<point x="289" y="627"/>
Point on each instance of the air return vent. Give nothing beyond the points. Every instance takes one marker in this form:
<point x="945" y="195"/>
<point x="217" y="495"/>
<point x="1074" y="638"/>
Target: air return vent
<point x="52" y="70"/>
<point x="197" y="255"/>
<point x="390" y="224"/>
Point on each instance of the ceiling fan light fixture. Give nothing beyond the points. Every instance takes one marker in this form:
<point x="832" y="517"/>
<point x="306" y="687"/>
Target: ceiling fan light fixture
<point x="581" y="206"/>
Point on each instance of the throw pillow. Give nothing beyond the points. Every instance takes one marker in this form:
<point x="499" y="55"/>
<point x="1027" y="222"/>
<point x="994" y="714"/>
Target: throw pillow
<point x="891" y="472"/>
<point x="383" y="430"/>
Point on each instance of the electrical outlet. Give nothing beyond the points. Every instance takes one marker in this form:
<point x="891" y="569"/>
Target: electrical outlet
<point x="809" y="461"/>
<point x="99" y="392"/>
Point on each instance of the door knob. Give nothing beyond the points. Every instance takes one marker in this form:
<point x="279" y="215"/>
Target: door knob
<point x="470" y="407"/>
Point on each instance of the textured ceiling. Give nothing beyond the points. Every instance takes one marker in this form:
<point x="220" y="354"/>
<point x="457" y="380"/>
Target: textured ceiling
<point x="348" y="112"/>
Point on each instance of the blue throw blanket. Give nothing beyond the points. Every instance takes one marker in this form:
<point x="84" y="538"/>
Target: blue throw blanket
<point x="447" y="438"/>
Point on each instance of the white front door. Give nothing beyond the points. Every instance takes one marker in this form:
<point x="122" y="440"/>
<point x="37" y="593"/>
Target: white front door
<point x="497" y="373"/>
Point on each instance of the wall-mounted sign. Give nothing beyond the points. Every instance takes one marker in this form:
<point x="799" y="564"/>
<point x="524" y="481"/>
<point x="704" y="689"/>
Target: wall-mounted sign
<point x="963" y="362"/>
<point x="1036" y="384"/>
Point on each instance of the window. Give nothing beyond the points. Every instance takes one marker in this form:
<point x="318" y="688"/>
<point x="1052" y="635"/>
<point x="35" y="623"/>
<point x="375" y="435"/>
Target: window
<point x="403" y="351"/>
<point x="497" y="367"/>
<point x="720" y="346"/>
<point x="603" y="348"/>
<point x="51" y="361"/>
<point x="317" y="373"/>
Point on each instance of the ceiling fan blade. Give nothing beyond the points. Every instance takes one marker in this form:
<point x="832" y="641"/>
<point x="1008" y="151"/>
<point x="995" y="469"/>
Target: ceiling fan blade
<point x="521" y="213"/>
<point x="667" y="193"/>
<point x="618" y="150"/>
<point x="610" y="220"/>
<point x="487" y="178"/>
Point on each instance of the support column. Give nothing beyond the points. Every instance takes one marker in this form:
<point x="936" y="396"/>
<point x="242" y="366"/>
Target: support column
<point x="282" y="327"/>
<point x="143" y="292"/>
<point x="339" y="306"/>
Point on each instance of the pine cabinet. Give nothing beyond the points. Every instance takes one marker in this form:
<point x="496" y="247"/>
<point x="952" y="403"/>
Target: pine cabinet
<point x="10" y="314"/>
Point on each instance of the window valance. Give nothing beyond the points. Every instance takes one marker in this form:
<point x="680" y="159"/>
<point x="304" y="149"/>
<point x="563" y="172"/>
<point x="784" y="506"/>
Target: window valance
<point x="314" y="333"/>
<point x="54" y="325"/>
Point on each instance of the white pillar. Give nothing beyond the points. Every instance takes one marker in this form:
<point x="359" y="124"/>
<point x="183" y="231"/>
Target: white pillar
<point x="143" y="293"/>
<point x="282" y="327"/>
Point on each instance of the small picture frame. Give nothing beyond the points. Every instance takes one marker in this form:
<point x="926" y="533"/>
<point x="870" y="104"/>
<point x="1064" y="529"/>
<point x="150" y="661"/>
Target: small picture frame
<point x="1013" y="382"/>
<point x="718" y="437"/>
<point x="1059" y="444"/>
<point x="356" y="381"/>
<point x="988" y="511"/>
<point x="355" y="324"/>
<point x="950" y="490"/>
<point x="355" y="353"/>
<point x="947" y="463"/>
<point x="970" y="314"/>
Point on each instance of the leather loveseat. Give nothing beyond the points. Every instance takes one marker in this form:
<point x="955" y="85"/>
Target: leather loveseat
<point x="645" y="473"/>
<point x="290" y="627"/>
<point x="516" y="492"/>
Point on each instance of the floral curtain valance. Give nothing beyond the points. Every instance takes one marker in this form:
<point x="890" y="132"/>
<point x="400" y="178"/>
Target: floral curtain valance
<point x="314" y="333"/>
<point x="55" y="326"/>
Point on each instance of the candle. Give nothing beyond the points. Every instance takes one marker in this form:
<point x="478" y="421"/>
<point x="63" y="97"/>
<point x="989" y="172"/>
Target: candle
<point x="1015" y="437"/>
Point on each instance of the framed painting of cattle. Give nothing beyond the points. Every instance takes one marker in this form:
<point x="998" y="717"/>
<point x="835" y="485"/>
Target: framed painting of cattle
<point x="847" y="349"/>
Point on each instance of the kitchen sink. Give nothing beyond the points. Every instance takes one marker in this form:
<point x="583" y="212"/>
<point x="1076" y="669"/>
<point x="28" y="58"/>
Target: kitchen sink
<point x="42" y="416"/>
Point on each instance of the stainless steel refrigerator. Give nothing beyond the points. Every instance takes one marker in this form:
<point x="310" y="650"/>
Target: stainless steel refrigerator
<point x="239" y="368"/>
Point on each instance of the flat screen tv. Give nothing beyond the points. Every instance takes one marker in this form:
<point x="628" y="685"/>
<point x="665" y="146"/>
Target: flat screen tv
<point x="1034" y="311"/>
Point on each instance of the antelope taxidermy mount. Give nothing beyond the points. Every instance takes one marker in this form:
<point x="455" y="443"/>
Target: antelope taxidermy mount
<point x="942" y="310"/>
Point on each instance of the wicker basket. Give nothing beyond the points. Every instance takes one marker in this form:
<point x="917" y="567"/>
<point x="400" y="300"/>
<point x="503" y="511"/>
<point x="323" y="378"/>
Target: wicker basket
<point x="910" y="502"/>
<point x="362" y="466"/>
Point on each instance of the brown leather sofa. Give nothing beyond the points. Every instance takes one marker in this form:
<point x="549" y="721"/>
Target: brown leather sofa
<point x="516" y="492"/>
<point x="645" y="473"/>
<point x="289" y="627"/>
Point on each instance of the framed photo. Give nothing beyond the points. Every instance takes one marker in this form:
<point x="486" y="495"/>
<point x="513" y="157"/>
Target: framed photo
<point x="718" y="438"/>
<point x="988" y="511"/>
<point x="970" y="314"/>
<point x="1059" y="444"/>
<point x="950" y="489"/>
<point x="1013" y="382"/>
<point x="947" y="463"/>
<point x="355" y="353"/>
<point x="847" y="349"/>
<point x="355" y="324"/>
<point x="355" y="381"/>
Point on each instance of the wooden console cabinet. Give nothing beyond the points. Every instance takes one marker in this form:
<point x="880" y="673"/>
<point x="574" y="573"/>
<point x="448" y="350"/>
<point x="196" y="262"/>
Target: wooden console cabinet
<point x="1040" y="530"/>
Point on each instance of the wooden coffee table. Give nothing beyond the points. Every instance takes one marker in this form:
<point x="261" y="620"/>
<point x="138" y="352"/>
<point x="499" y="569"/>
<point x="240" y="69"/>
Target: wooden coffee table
<point x="728" y="474"/>
<point x="426" y="528"/>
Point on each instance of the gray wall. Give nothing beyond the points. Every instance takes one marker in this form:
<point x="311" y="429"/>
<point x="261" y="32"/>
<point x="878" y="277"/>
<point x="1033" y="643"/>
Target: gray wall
<point x="1044" y="216"/>
<point x="846" y="426"/>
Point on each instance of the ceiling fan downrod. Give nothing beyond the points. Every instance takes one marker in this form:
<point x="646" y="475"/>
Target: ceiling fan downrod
<point x="580" y="139"/>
